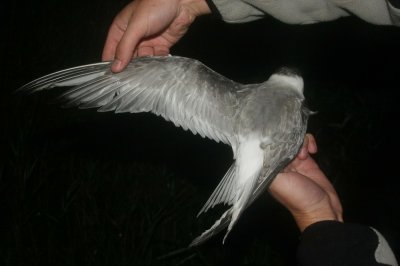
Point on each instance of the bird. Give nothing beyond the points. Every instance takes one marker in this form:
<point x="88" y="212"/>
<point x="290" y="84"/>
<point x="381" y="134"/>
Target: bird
<point x="264" y="123"/>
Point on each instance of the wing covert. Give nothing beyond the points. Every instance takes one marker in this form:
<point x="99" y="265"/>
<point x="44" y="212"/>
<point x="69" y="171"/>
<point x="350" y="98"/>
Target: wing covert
<point x="179" y="89"/>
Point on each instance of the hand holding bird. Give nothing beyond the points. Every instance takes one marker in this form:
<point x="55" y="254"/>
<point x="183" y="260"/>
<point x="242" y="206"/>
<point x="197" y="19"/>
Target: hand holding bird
<point x="305" y="190"/>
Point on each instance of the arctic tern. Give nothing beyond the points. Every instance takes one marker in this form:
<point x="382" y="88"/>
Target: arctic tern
<point x="264" y="123"/>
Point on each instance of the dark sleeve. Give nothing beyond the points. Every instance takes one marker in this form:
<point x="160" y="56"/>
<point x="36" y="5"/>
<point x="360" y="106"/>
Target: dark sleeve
<point x="214" y="10"/>
<point x="334" y="243"/>
<point x="395" y="3"/>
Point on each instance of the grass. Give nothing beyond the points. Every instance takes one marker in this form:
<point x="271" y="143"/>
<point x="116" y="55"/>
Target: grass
<point x="63" y="204"/>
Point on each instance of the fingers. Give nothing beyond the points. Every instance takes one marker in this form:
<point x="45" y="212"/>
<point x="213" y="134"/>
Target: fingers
<point x="336" y="205"/>
<point x="310" y="198"/>
<point x="117" y="31"/>
<point x="145" y="51"/>
<point x="122" y="39"/>
<point x="151" y="49"/>
<point x="316" y="175"/>
<point x="304" y="198"/>
<point x="126" y="48"/>
<point x="309" y="146"/>
<point x="114" y="35"/>
<point x="312" y="144"/>
<point x="146" y="28"/>
<point x="133" y="24"/>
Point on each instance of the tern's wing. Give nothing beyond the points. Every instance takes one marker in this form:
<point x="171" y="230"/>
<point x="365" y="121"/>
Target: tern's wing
<point x="179" y="89"/>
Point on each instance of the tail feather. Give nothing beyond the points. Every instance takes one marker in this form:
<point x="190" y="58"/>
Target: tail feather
<point x="217" y="227"/>
<point x="230" y="217"/>
<point x="224" y="192"/>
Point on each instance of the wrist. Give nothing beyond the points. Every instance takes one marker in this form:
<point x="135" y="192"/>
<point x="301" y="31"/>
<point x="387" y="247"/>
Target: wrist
<point x="395" y="3"/>
<point x="306" y="218"/>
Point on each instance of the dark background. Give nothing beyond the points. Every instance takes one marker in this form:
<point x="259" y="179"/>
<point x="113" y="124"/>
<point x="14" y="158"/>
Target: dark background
<point x="80" y="187"/>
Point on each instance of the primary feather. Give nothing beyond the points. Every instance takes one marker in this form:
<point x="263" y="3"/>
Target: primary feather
<point x="264" y="123"/>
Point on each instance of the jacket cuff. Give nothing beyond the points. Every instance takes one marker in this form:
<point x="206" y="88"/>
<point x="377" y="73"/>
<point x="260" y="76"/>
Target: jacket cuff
<point x="395" y="3"/>
<point x="214" y="10"/>
<point x="335" y="243"/>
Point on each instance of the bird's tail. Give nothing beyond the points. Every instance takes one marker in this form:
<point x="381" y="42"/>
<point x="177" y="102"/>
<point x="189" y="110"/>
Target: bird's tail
<point x="217" y="227"/>
<point x="230" y="216"/>
<point x="224" y="193"/>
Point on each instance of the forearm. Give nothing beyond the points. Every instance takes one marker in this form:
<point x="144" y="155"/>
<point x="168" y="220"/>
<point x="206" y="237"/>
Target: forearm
<point x="394" y="7"/>
<point x="395" y="3"/>
<point x="310" y="11"/>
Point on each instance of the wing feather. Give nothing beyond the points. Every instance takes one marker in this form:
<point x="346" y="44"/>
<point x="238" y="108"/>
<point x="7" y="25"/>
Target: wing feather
<point x="68" y="77"/>
<point x="181" y="90"/>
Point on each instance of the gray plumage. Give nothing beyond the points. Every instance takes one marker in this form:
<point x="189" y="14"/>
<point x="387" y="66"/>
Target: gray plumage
<point x="264" y="123"/>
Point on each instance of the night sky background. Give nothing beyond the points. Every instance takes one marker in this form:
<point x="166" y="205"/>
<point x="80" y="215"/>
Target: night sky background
<point x="79" y="187"/>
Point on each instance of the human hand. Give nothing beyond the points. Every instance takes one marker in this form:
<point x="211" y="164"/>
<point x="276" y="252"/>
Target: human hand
<point x="149" y="27"/>
<point x="305" y="190"/>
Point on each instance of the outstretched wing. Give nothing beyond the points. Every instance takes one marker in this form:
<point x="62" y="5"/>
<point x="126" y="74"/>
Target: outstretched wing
<point x="181" y="90"/>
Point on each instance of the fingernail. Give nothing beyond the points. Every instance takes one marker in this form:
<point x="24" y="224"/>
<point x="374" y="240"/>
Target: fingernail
<point x="116" y="65"/>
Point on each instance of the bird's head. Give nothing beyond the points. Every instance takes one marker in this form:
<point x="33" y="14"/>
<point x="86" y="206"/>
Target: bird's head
<point x="289" y="76"/>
